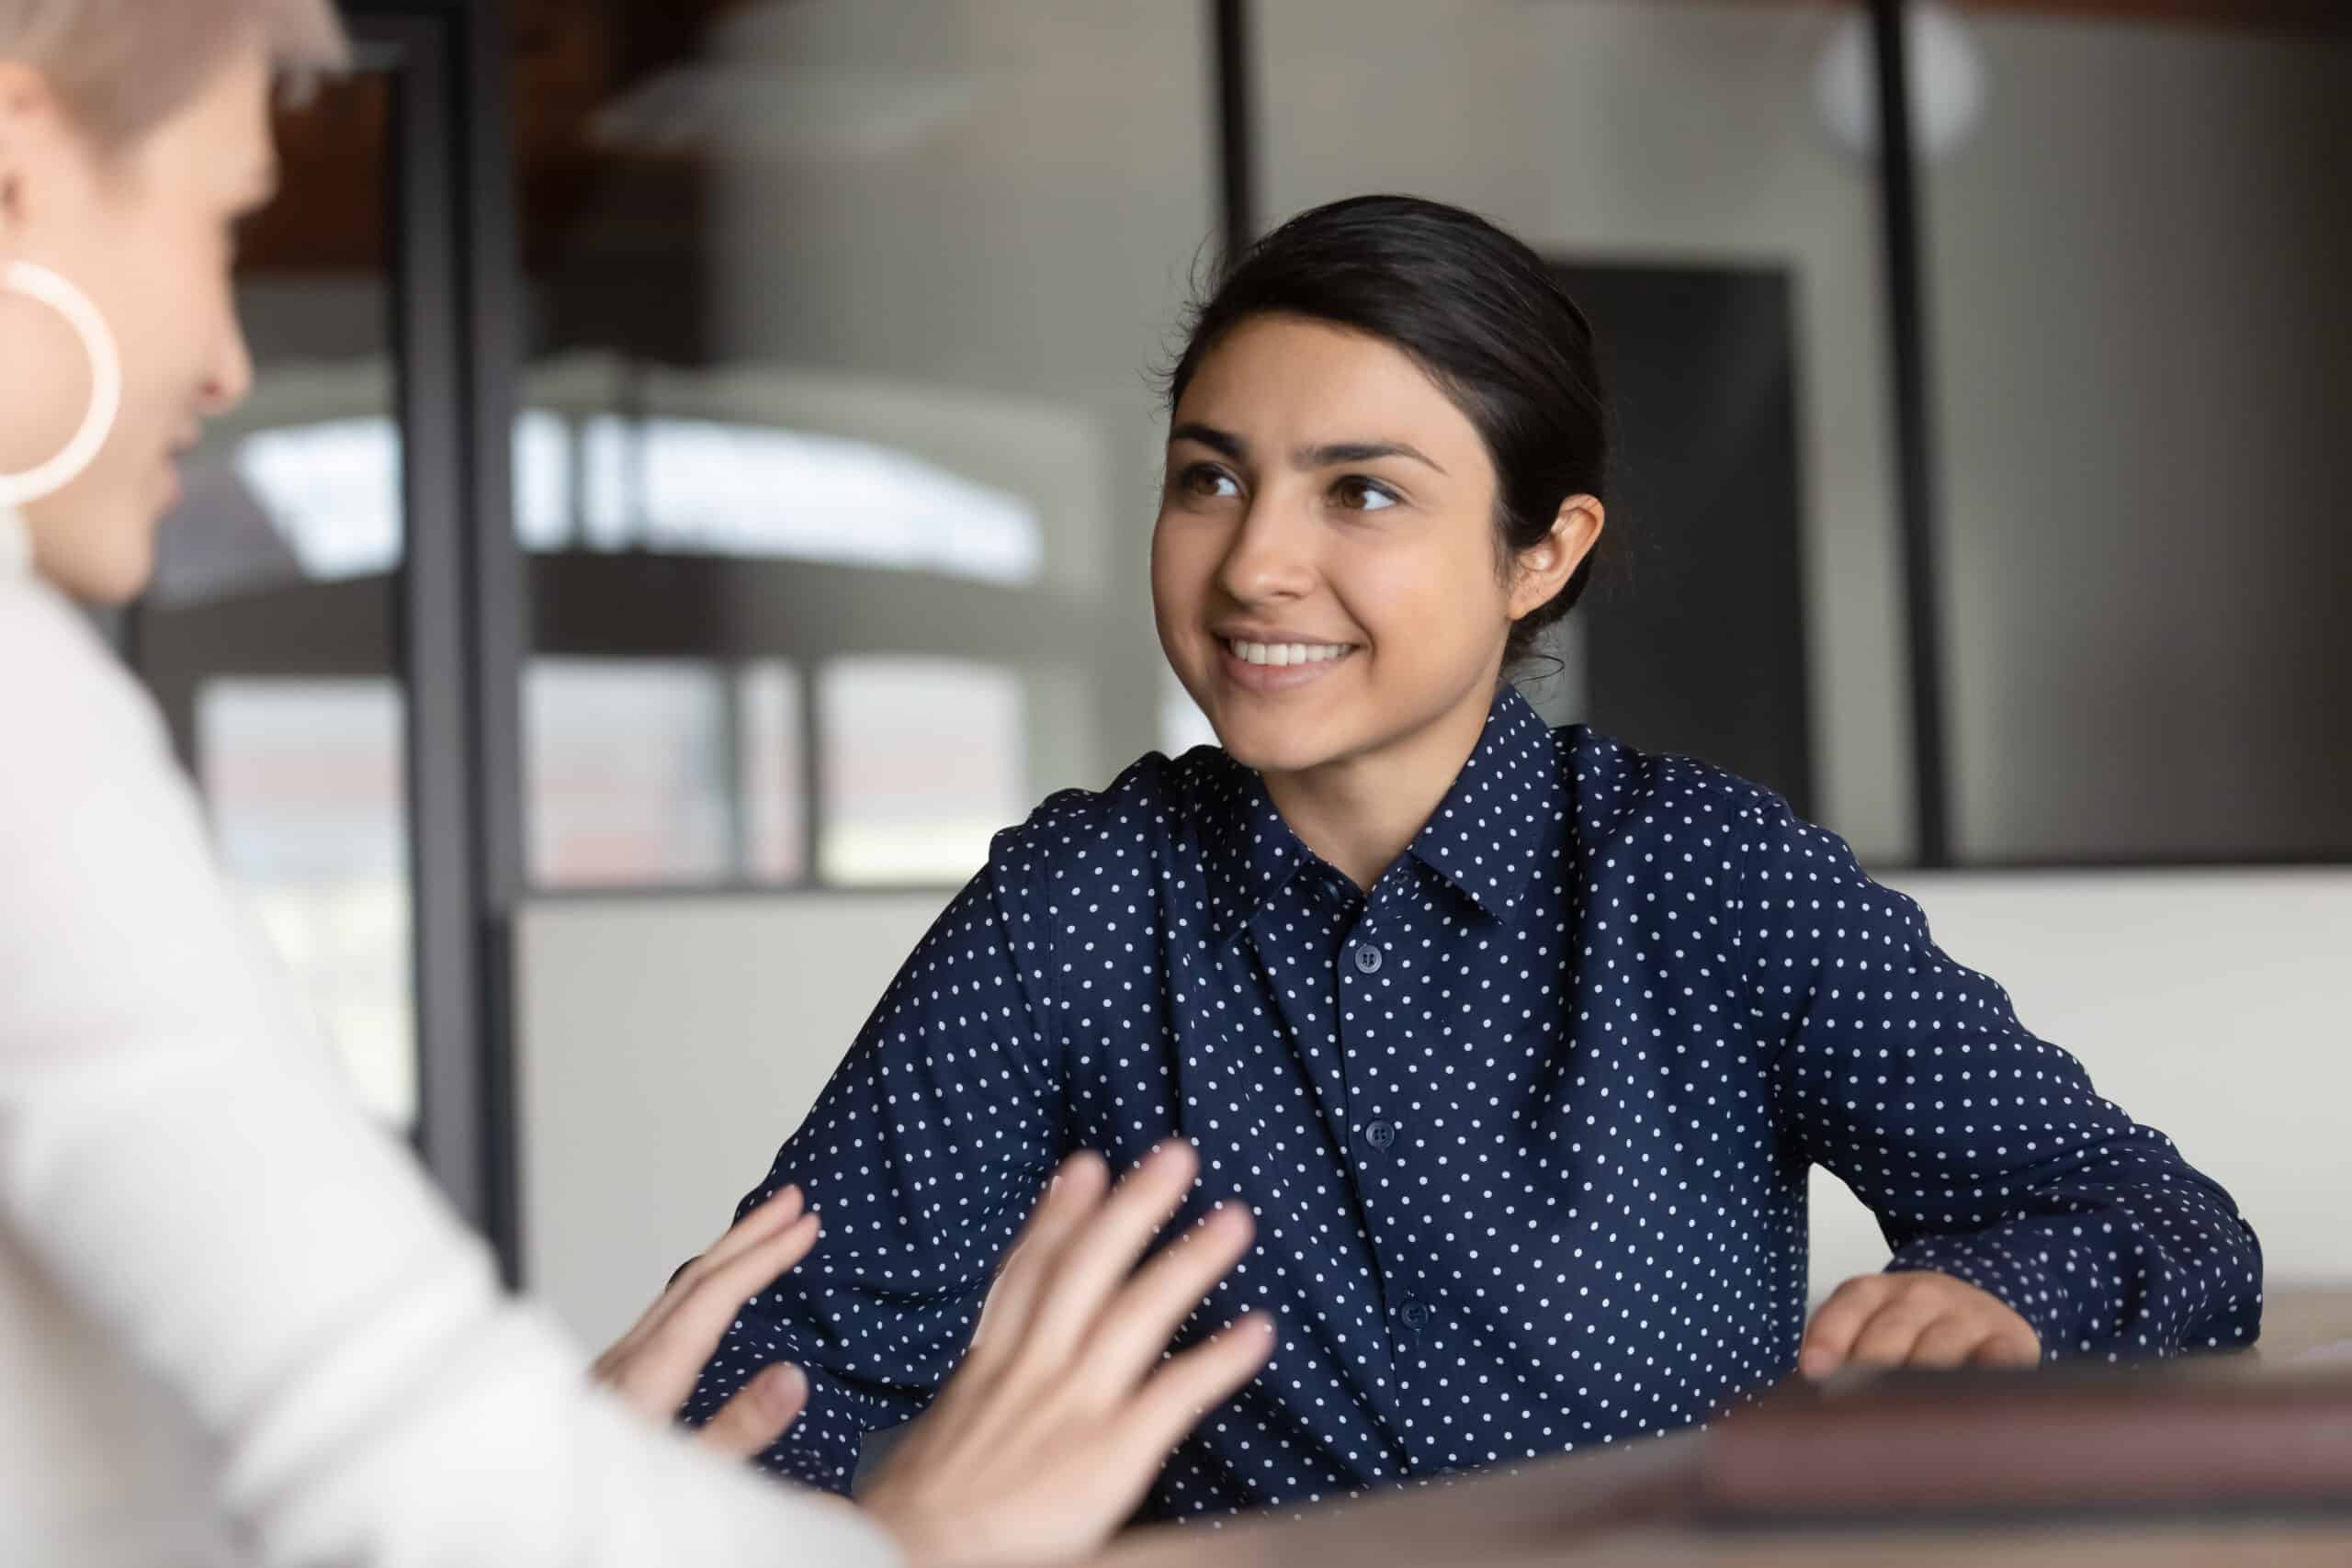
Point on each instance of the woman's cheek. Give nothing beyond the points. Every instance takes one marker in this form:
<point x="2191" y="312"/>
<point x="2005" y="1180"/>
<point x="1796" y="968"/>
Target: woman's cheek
<point x="1394" y="594"/>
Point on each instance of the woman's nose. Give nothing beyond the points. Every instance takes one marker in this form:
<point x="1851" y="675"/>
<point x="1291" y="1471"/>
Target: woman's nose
<point x="230" y="376"/>
<point x="1269" y="558"/>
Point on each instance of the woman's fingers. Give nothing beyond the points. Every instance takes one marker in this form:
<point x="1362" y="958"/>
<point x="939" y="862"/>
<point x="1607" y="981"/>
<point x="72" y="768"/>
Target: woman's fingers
<point x="748" y="1425"/>
<point x="1947" y="1343"/>
<point x="655" y="1368"/>
<point x="1839" y="1322"/>
<point x="1916" y="1318"/>
<point x="1063" y="1212"/>
<point x="699" y="1319"/>
<point x="771" y="1217"/>
<point x="2017" y="1346"/>
<point x="1134" y="1330"/>
<point x="1886" y="1339"/>
<point x="1171" y="1403"/>
<point x="1098" y="1262"/>
<point x="774" y="1214"/>
<point x="1035" y="1451"/>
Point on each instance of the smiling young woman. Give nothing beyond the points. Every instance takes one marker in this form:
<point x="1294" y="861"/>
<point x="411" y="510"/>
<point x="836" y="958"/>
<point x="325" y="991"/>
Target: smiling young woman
<point x="1518" y="1042"/>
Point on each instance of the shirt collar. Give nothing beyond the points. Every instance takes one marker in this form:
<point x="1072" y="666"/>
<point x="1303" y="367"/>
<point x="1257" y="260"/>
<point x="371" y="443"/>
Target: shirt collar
<point x="1252" y="854"/>
<point x="1497" y="825"/>
<point x="1504" y="816"/>
<point x="16" y="545"/>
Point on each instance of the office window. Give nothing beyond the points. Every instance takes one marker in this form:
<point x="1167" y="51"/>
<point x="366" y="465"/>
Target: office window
<point x="1672" y="161"/>
<point x="2139" y="320"/>
<point x="922" y="764"/>
<point x="303" y="782"/>
<point x="837" y="422"/>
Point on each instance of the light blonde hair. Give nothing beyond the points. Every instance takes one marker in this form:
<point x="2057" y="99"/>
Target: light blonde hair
<point x="123" y="66"/>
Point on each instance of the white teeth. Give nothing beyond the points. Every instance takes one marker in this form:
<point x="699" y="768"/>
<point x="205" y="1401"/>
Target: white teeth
<point x="1280" y="655"/>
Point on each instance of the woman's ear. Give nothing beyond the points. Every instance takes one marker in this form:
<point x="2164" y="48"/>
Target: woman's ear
<point x="11" y="147"/>
<point x="27" y="109"/>
<point x="1545" y="567"/>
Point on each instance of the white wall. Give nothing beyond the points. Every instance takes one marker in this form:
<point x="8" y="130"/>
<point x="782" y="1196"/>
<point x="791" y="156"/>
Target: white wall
<point x="2214" y="1005"/>
<point x="669" y="1045"/>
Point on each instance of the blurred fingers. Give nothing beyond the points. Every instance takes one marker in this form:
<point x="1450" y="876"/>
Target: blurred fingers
<point x="768" y="1218"/>
<point x="1886" y="1339"/>
<point x="1068" y="1203"/>
<point x="1133" y="1332"/>
<point x="774" y="1214"/>
<point x="1204" y="1377"/>
<point x="1831" y="1338"/>
<point x="749" y="1423"/>
<point x="2013" y="1346"/>
<point x="1097" y="1260"/>
<point x="701" y="1317"/>
<point x="1947" y="1343"/>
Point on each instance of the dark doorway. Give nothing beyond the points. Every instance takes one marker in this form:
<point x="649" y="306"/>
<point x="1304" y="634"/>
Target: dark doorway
<point x="1693" y="634"/>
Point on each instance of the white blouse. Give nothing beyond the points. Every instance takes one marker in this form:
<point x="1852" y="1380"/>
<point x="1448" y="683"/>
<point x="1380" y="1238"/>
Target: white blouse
<point x="237" y="1326"/>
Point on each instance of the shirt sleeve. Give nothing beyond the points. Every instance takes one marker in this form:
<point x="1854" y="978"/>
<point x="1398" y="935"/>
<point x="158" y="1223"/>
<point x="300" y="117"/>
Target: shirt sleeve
<point x="1983" y="1151"/>
<point x="180" y="1158"/>
<point x="923" y="1154"/>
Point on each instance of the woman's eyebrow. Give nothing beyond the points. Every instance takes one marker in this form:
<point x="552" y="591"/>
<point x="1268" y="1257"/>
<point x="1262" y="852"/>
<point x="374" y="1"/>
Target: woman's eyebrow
<point x="1224" y="443"/>
<point x="1329" y="455"/>
<point x="1335" y="453"/>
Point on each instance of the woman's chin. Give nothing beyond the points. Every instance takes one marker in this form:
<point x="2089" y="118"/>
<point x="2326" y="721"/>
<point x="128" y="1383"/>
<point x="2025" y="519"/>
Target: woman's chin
<point x="1275" y="747"/>
<point x="116" y="584"/>
<point x="101" y="554"/>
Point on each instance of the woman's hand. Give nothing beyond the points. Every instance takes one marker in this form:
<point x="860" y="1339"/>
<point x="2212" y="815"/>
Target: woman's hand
<point x="654" y="1366"/>
<point x="1064" y="1409"/>
<point x="1915" y="1320"/>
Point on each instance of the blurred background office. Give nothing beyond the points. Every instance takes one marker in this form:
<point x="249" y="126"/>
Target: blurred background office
<point x="687" y="419"/>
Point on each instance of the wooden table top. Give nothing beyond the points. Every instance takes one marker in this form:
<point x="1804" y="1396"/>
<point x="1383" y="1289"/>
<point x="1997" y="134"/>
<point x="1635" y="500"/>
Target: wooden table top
<point x="1620" y="1510"/>
<point x="1631" y="1506"/>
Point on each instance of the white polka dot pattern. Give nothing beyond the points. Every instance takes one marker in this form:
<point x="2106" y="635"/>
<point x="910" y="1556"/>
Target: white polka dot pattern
<point x="1526" y="1128"/>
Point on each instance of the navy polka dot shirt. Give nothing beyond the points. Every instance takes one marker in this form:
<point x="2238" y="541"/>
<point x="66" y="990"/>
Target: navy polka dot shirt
<point x="1525" y="1129"/>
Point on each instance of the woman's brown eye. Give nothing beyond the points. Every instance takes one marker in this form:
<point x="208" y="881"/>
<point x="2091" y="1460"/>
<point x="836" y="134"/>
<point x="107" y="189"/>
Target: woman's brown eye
<point x="1364" y="495"/>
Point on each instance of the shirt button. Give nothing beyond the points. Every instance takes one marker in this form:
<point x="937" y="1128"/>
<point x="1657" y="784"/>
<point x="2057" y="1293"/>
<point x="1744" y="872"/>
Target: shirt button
<point x="1416" y="1315"/>
<point x="1379" y="1135"/>
<point x="1368" y="959"/>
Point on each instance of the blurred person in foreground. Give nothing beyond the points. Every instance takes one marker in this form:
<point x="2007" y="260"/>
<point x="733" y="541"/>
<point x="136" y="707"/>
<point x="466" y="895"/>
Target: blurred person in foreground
<point x="237" y="1326"/>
